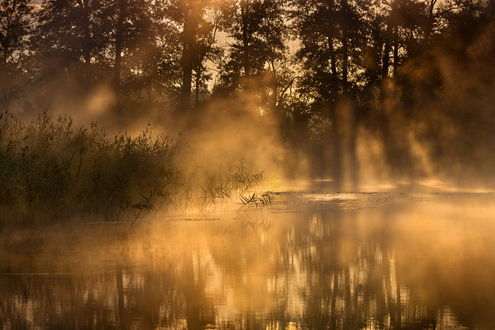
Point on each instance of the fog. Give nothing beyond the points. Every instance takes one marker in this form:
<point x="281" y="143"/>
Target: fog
<point x="258" y="164"/>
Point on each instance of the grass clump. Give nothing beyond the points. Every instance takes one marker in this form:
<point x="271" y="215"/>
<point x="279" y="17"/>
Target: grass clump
<point x="52" y="170"/>
<point x="256" y="200"/>
<point x="204" y="185"/>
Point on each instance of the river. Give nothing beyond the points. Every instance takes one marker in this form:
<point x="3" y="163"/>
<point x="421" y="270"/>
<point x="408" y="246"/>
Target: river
<point x="308" y="261"/>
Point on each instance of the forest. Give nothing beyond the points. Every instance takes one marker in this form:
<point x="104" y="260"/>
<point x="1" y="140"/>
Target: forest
<point x="247" y="164"/>
<point x="110" y="105"/>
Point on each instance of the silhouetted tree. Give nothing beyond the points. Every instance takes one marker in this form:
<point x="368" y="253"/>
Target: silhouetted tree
<point x="257" y="42"/>
<point x="15" y="27"/>
<point x="69" y="37"/>
<point x="326" y="68"/>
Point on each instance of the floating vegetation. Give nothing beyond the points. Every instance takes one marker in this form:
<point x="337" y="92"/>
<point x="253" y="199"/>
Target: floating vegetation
<point x="256" y="200"/>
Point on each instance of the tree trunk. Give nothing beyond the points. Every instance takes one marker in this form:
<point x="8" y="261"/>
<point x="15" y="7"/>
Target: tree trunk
<point x="334" y="90"/>
<point x="491" y="7"/>
<point x="86" y="48"/>
<point x="345" y="47"/>
<point x="386" y="59"/>
<point x="6" y="43"/>
<point x="431" y="19"/>
<point x="119" y="44"/>
<point x="187" y="55"/>
<point x="245" y="39"/>
<point x="5" y="55"/>
<point x="197" y="81"/>
<point x="396" y="50"/>
<point x="333" y="65"/>
<point x="345" y="62"/>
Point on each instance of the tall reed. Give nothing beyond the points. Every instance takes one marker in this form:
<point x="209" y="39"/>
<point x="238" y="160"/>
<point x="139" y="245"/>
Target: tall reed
<point x="52" y="170"/>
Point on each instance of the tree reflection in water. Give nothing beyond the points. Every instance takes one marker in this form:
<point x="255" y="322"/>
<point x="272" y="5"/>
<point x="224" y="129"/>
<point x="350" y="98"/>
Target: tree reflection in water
<point x="331" y="265"/>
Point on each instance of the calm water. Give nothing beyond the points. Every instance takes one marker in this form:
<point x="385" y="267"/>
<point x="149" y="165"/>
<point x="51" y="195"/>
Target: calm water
<point x="338" y="261"/>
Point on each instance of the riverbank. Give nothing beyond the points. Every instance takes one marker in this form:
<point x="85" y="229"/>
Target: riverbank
<point x="52" y="170"/>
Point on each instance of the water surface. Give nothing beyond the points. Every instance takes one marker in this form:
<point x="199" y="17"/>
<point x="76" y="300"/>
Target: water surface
<point x="310" y="261"/>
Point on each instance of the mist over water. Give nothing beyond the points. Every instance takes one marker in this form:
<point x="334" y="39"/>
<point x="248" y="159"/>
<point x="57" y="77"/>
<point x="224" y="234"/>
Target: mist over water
<point x="361" y="93"/>
<point x="247" y="164"/>
<point x="340" y="261"/>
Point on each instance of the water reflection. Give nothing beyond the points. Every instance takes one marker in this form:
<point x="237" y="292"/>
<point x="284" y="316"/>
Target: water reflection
<point x="366" y="262"/>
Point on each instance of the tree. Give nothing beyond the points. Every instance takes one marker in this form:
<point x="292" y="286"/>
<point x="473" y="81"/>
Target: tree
<point x="133" y="39"/>
<point x="333" y="35"/>
<point x="257" y="34"/>
<point x="69" y="38"/>
<point x="15" y="27"/>
<point x="194" y="35"/>
<point x="408" y="22"/>
<point x="120" y="43"/>
<point x="72" y="30"/>
<point x="191" y="15"/>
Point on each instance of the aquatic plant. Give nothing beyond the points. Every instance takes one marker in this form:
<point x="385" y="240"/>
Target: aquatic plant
<point x="256" y="200"/>
<point x="51" y="169"/>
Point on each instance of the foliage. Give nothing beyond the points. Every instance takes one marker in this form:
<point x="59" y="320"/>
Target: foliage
<point x="50" y="169"/>
<point x="262" y="200"/>
<point x="324" y="70"/>
<point x="205" y="184"/>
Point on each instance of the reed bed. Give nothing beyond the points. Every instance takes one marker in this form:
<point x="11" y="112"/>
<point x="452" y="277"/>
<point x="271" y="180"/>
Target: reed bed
<point x="53" y="170"/>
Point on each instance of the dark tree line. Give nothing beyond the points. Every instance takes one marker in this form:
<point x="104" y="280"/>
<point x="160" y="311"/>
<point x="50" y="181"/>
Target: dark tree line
<point x="323" y="67"/>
